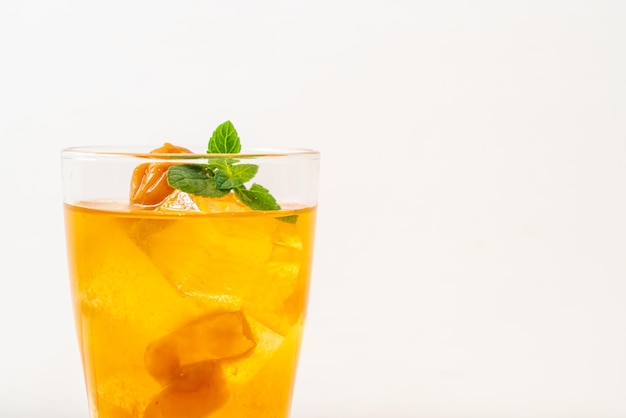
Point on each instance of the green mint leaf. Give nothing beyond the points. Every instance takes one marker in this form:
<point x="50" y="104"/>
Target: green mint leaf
<point x="221" y="163"/>
<point x="194" y="179"/>
<point x="290" y="219"/>
<point x="257" y="197"/>
<point x="224" y="140"/>
<point x="230" y="176"/>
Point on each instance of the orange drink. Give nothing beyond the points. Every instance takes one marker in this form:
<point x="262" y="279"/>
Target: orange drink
<point x="191" y="307"/>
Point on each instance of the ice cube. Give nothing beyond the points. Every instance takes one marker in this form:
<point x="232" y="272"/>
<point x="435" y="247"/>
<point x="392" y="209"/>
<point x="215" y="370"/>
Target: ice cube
<point x="256" y="259"/>
<point x="121" y="283"/>
<point x="277" y="296"/>
<point x="126" y="394"/>
<point x="179" y="201"/>
<point x="196" y="391"/>
<point x="199" y="260"/>
<point x="267" y="390"/>
<point x="242" y="370"/>
<point x="217" y="336"/>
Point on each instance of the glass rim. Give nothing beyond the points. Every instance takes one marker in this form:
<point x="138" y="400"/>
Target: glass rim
<point x="138" y="151"/>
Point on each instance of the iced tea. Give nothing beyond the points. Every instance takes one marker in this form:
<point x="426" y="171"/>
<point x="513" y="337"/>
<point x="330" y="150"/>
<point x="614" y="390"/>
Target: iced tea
<point x="189" y="313"/>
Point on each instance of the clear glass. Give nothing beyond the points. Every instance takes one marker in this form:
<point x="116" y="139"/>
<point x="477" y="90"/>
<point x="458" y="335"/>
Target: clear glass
<point x="188" y="306"/>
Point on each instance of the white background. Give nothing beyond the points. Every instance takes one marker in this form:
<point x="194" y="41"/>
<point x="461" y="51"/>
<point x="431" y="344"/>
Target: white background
<point x="470" y="259"/>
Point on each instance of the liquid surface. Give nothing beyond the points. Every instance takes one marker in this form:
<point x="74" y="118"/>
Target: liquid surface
<point x="189" y="315"/>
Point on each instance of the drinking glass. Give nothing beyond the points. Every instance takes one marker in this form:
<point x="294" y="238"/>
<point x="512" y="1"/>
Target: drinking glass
<point x="188" y="306"/>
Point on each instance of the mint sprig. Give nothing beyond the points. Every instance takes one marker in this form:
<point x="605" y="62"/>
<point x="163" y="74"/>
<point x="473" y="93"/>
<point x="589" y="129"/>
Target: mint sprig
<point x="194" y="179"/>
<point x="222" y="175"/>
